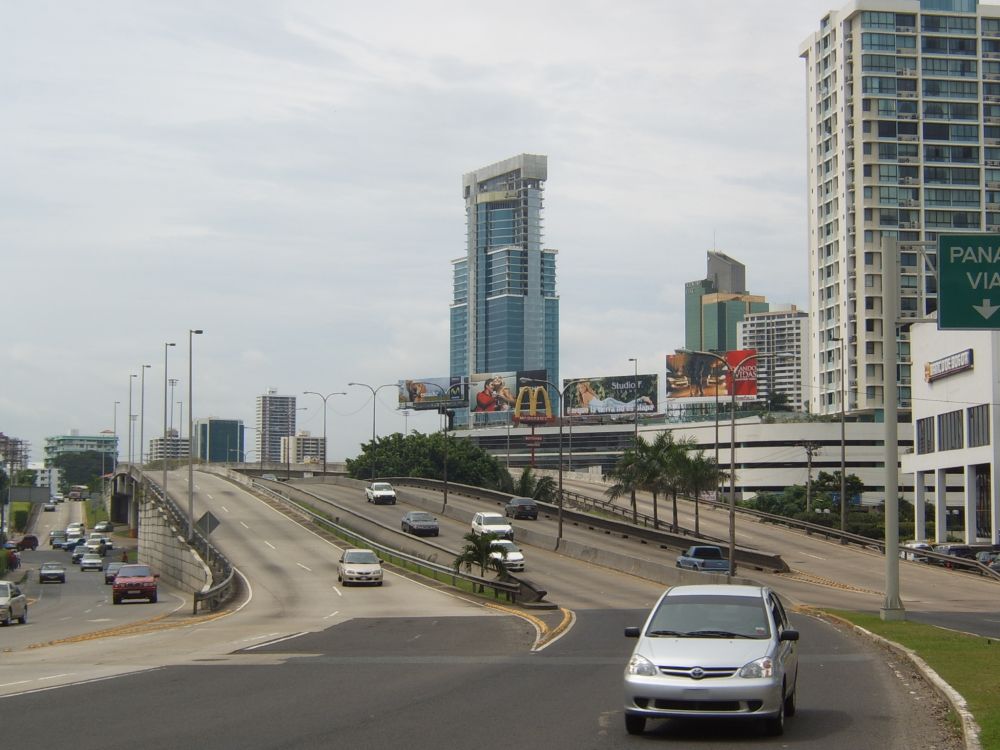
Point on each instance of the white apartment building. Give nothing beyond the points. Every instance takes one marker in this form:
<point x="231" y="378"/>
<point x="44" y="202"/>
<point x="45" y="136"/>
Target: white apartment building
<point x="783" y="333"/>
<point x="903" y="143"/>
<point x="275" y="420"/>
<point x="170" y="447"/>
<point x="303" y="448"/>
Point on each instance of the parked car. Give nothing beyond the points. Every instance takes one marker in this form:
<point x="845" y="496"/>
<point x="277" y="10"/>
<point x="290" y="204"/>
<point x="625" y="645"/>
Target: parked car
<point x="985" y="557"/>
<point x="52" y="572"/>
<point x="521" y="507"/>
<point x="29" y="541"/>
<point x="714" y="652"/>
<point x="962" y="551"/>
<point x="910" y="551"/>
<point x="105" y="527"/>
<point x="487" y="522"/>
<point x="49" y="508"/>
<point x="359" y="566"/>
<point x="509" y="553"/>
<point x="420" y="523"/>
<point x="704" y="558"/>
<point x="13" y="604"/>
<point x="134" y="582"/>
<point x="110" y="571"/>
<point x="380" y="493"/>
<point x="91" y="561"/>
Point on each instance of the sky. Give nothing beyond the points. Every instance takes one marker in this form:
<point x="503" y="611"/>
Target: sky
<point x="286" y="176"/>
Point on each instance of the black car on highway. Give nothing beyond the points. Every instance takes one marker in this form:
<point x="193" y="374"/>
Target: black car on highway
<point x="521" y="507"/>
<point x="420" y="523"/>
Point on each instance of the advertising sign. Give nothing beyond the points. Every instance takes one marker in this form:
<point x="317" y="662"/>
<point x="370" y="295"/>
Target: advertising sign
<point x="618" y="394"/>
<point x="692" y="375"/>
<point x="942" y="368"/>
<point x="492" y="392"/>
<point x="431" y="393"/>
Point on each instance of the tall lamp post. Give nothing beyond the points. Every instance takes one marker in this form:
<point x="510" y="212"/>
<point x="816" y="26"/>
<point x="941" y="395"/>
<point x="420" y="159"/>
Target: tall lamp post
<point x="635" y="439"/>
<point x="374" y="390"/>
<point x="732" y="369"/>
<point x="325" y="447"/>
<point x="843" y="436"/>
<point x="142" y="411"/>
<point x="130" y="377"/>
<point x="114" y="422"/>
<point x="443" y="410"/>
<point x="192" y="332"/>
<point x="163" y="449"/>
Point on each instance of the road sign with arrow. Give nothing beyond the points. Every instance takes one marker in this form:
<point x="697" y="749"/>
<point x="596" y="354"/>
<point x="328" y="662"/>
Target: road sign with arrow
<point x="968" y="281"/>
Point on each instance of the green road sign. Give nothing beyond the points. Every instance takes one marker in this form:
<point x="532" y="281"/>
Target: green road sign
<point x="968" y="281"/>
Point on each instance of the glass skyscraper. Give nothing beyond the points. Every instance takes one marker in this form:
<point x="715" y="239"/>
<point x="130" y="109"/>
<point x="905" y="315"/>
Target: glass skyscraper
<point x="505" y="312"/>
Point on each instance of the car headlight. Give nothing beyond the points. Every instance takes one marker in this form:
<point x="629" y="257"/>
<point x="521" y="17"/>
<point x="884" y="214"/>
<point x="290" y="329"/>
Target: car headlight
<point x="763" y="667"/>
<point x="640" y="665"/>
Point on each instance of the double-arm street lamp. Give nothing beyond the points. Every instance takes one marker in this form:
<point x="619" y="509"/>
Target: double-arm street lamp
<point x="374" y="390"/>
<point x="843" y="435"/>
<point x="130" y="416"/>
<point x="732" y="369"/>
<point x="142" y="412"/>
<point x="316" y="393"/>
<point x="163" y="448"/>
<point x="192" y="332"/>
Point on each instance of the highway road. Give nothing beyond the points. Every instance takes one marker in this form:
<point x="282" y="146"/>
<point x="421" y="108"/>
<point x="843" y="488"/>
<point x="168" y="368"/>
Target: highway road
<point x="304" y="663"/>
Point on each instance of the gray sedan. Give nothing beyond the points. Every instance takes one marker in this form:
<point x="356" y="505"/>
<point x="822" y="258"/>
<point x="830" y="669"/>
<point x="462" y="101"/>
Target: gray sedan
<point x="53" y="572"/>
<point x="420" y="523"/>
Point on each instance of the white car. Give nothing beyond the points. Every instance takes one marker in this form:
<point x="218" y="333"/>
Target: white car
<point x="380" y="493"/>
<point x="91" y="561"/>
<point x="509" y="553"/>
<point x="77" y="528"/>
<point x="13" y="604"/>
<point x="487" y="522"/>
<point x="359" y="566"/>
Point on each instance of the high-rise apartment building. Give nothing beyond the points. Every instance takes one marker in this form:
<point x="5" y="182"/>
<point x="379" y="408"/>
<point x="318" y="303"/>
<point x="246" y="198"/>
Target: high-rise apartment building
<point x="782" y="333"/>
<point x="903" y="144"/>
<point x="171" y="447"/>
<point x="275" y="420"/>
<point x="713" y="306"/>
<point x="505" y="312"/>
<point x="303" y="448"/>
<point x="106" y="442"/>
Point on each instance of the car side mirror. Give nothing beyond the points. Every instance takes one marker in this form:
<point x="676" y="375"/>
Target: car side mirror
<point x="789" y="635"/>
<point x="156" y="575"/>
<point x="632" y="632"/>
<point x="341" y="560"/>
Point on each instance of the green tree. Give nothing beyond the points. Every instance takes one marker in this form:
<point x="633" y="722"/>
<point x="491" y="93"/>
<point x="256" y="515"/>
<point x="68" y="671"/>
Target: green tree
<point x="478" y="551"/>
<point x="540" y="489"/>
<point x="700" y="472"/>
<point x="85" y="467"/>
<point x="628" y="475"/>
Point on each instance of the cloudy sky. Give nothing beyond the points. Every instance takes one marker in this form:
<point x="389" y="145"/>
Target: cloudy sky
<point x="287" y="177"/>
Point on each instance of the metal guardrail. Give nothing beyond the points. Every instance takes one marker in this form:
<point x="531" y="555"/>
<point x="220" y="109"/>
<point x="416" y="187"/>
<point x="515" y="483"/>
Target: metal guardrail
<point x="508" y="591"/>
<point x="225" y="582"/>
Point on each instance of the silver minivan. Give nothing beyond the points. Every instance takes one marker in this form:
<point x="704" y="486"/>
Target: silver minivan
<point x="713" y="651"/>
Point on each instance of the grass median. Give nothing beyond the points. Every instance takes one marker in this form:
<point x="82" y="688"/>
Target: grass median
<point x="969" y="663"/>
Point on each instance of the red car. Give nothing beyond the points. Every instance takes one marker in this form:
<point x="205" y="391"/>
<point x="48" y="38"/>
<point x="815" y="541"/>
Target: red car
<point x="134" y="582"/>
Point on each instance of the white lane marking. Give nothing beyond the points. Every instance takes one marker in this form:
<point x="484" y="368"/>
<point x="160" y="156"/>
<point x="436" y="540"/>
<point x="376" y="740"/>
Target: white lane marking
<point x="224" y="508"/>
<point x="11" y="684"/>
<point x="336" y="590"/>
<point x="332" y="614"/>
<point x="56" y="676"/>
<point x="210" y="497"/>
<point x="271" y="643"/>
<point x="244" y="525"/>
<point x="814" y="556"/>
<point x="304" y="567"/>
<point x="270" y="545"/>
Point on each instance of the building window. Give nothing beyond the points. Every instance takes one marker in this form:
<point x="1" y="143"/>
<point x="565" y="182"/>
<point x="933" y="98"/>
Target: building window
<point x="979" y="425"/>
<point x="950" y="430"/>
<point x="925" y="435"/>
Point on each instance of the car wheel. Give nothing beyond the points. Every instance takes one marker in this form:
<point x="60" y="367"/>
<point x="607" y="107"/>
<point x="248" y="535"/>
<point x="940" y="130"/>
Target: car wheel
<point x="152" y="599"/>
<point x="116" y="600"/>
<point x="6" y="621"/>
<point x="635" y="724"/>
<point x="436" y="533"/>
<point x="380" y="583"/>
<point x="23" y="619"/>
<point x="775" y="725"/>
<point x="790" y="702"/>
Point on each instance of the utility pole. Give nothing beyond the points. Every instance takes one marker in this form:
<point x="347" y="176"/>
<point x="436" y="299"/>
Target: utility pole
<point x="810" y="448"/>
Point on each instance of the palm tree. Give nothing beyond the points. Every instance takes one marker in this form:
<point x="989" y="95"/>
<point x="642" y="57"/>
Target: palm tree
<point x="628" y="475"/>
<point x="665" y="470"/>
<point x="699" y="473"/>
<point x="478" y="550"/>
<point x="540" y="489"/>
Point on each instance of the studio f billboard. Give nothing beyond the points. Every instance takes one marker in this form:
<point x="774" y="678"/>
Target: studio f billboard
<point x="616" y="394"/>
<point x="692" y="375"/>
<point x="431" y="393"/>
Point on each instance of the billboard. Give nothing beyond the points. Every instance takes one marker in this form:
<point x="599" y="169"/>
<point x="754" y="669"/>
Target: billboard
<point x="617" y="394"/>
<point x="432" y="393"/>
<point x="522" y="394"/>
<point x="692" y="375"/>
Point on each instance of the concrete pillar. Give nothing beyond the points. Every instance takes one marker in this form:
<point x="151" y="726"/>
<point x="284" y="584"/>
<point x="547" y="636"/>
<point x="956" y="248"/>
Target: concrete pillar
<point x="919" y="520"/>
<point x="940" y="506"/>
<point x="969" y="497"/>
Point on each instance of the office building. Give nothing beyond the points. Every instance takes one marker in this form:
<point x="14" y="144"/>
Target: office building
<point x="275" y="420"/>
<point x="782" y="333"/>
<point x="505" y="312"/>
<point x="903" y="110"/>
<point x="303" y="448"/>
<point x="713" y="306"/>
<point x="218" y="440"/>
<point x="106" y="442"/>
<point x="171" y="447"/>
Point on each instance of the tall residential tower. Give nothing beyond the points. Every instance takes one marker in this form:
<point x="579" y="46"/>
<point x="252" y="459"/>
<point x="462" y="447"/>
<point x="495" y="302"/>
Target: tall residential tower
<point x="903" y="144"/>
<point x="275" y="420"/>
<point x="505" y="312"/>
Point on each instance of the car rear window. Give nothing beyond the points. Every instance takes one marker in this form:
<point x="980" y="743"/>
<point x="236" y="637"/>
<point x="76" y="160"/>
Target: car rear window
<point x="494" y="521"/>
<point x="708" y="553"/>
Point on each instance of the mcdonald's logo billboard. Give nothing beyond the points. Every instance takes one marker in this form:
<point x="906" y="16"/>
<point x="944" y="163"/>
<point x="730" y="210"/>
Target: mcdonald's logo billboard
<point x="533" y="405"/>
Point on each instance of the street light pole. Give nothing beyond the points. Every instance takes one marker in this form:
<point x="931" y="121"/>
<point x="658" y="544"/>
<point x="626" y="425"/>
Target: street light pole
<point x="192" y="332"/>
<point x="635" y="439"/>
<point x="142" y="411"/>
<point x="843" y="437"/>
<point x="163" y="448"/>
<point x="443" y="410"/>
<point x="173" y="382"/>
<point x="375" y="390"/>
<point x="130" y="377"/>
<point x="325" y="447"/>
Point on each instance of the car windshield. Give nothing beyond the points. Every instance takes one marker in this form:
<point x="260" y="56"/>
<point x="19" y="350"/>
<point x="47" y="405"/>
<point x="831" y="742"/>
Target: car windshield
<point x="421" y="517"/>
<point x="51" y="566"/>
<point x="4" y="589"/>
<point x="504" y="544"/>
<point x="494" y="521"/>
<point x="707" y="553"/>
<point x="710" y="617"/>
<point x="361" y="557"/>
<point x="134" y="571"/>
<point x="381" y="486"/>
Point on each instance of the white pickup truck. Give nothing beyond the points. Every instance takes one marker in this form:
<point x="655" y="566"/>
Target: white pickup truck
<point x="380" y="493"/>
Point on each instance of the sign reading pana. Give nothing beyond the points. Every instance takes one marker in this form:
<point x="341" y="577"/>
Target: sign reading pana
<point x="968" y="281"/>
